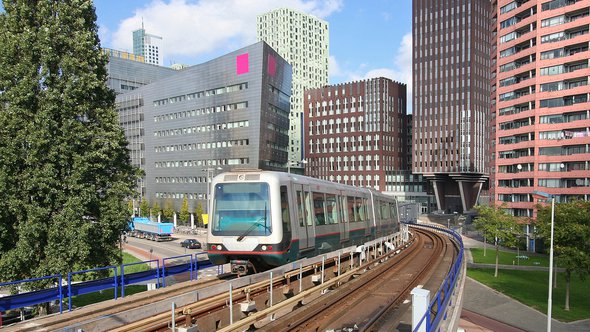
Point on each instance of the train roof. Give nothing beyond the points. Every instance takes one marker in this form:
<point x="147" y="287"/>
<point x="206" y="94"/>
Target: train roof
<point x="298" y="178"/>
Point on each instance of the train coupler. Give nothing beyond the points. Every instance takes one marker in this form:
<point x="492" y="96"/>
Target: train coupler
<point x="241" y="267"/>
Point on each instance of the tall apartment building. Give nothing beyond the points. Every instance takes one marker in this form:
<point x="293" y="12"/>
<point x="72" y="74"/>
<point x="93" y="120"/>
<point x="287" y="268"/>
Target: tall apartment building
<point x="149" y="46"/>
<point x="355" y="132"/>
<point x="302" y="40"/>
<point x="451" y="97"/>
<point x="542" y="110"/>
<point x="232" y="111"/>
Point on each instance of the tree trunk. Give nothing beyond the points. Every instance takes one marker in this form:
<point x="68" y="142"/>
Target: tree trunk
<point x="497" y="259"/>
<point x="484" y="246"/>
<point x="567" y="290"/>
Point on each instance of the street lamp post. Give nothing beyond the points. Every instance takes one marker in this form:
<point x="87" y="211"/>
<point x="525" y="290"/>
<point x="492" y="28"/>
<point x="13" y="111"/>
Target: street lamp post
<point x="549" y="300"/>
<point x="210" y="171"/>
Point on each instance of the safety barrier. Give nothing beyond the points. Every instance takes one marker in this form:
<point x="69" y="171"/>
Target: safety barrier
<point x="73" y="288"/>
<point x="442" y="300"/>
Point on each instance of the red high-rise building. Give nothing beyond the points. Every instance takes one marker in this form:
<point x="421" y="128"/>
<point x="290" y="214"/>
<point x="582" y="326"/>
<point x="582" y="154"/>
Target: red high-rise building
<point x="542" y="115"/>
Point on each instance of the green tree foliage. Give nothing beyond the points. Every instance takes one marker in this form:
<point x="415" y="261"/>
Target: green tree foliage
<point x="199" y="214"/>
<point x="168" y="211"/>
<point x="156" y="210"/>
<point x="144" y="206"/>
<point x="571" y="238"/>
<point x="64" y="166"/>
<point x="184" y="212"/>
<point x="498" y="227"/>
<point x="130" y="211"/>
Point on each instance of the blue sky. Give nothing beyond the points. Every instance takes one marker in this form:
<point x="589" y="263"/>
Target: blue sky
<point x="367" y="38"/>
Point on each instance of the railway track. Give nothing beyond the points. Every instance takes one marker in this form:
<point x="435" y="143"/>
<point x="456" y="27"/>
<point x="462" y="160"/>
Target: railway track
<point x="350" y="291"/>
<point x="368" y="302"/>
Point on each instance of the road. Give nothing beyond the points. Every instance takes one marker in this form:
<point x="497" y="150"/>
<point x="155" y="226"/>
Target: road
<point x="141" y="247"/>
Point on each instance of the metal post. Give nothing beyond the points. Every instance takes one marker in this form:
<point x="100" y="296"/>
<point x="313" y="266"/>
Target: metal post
<point x="231" y="312"/>
<point x="300" y="277"/>
<point x="173" y="316"/>
<point x="323" y="262"/>
<point x="270" y="297"/>
<point x="549" y="300"/>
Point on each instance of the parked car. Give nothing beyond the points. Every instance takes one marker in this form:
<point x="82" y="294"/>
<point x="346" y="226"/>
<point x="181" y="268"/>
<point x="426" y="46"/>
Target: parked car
<point x="191" y="244"/>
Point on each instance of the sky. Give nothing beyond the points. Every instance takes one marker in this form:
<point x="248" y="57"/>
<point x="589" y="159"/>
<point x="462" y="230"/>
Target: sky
<point x="368" y="38"/>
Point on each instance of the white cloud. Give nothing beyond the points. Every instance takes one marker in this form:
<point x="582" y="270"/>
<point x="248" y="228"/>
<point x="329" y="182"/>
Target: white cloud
<point x="193" y="28"/>
<point x="400" y="71"/>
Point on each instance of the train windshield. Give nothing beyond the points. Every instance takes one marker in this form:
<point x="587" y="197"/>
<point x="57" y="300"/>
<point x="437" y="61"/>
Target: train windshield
<point x="241" y="209"/>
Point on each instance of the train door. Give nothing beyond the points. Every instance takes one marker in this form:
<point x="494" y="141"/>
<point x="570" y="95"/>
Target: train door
<point x="343" y="212"/>
<point x="304" y="217"/>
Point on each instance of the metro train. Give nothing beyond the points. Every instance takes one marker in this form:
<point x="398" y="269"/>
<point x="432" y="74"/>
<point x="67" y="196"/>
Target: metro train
<point x="263" y="219"/>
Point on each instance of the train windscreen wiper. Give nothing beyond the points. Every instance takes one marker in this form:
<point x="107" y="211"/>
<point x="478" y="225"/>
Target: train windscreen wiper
<point x="254" y="225"/>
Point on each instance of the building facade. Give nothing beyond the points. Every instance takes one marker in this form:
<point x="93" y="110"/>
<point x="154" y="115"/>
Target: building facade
<point x="542" y="114"/>
<point x="230" y="112"/>
<point x="149" y="46"/>
<point x="355" y="132"/>
<point x="303" y="41"/>
<point x="451" y="98"/>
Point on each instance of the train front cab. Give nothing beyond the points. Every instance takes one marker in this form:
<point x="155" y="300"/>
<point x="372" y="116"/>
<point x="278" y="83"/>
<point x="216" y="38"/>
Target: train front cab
<point x="247" y="222"/>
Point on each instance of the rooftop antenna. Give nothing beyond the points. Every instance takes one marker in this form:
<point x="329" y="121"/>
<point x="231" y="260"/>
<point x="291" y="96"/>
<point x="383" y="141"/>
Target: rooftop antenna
<point x="142" y="23"/>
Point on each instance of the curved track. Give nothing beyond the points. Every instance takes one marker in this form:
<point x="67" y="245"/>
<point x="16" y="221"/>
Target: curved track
<point x="366" y="303"/>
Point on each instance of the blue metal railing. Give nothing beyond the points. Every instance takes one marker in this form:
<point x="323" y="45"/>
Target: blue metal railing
<point x="443" y="296"/>
<point x="34" y="297"/>
<point x="60" y="292"/>
<point x="90" y="286"/>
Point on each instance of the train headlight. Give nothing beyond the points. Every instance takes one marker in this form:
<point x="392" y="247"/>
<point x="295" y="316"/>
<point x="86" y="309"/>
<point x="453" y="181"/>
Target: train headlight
<point x="266" y="248"/>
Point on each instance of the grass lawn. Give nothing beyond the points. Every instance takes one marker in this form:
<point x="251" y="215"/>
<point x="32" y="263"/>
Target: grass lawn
<point x="107" y="294"/>
<point x="509" y="258"/>
<point x="530" y="288"/>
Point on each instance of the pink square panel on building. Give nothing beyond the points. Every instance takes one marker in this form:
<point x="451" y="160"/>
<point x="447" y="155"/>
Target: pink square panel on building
<point x="242" y="66"/>
<point x="272" y="65"/>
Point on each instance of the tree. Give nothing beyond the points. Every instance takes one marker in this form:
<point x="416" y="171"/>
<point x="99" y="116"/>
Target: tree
<point x="184" y="213"/>
<point x="571" y="238"/>
<point x="65" y="170"/>
<point x="199" y="213"/>
<point x="130" y="207"/>
<point x="168" y="211"/>
<point x="144" y="207"/>
<point x="497" y="226"/>
<point x="155" y="210"/>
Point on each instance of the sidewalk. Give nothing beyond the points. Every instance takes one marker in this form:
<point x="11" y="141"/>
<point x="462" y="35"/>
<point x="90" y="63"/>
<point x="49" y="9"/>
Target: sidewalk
<point x="490" y="303"/>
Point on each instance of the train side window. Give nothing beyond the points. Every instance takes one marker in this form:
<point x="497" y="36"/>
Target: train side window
<point x="301" y="207"/>
<point x="343" y="209"/>
<point x="308" y="209"/>
<point x="352" y="214"/>
<point x="364" y="209"/>
<point x="393" y="211"/>
<point x="331" y="209"/>
<point x="319" y="208"/>
<point x="359" y="209"/>
<point x="285" y="212"/>
<point x="385" y="210"/>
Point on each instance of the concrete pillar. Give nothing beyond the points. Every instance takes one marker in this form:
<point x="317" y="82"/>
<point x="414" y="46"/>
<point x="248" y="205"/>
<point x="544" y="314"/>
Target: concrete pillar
<point x="192" y="220"/>
<point x="175" y="219"/>
<point x="420" y="302"/>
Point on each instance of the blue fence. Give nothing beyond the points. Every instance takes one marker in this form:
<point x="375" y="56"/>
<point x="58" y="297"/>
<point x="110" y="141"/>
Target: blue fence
<point x="443" y="296"/>
<point x="60" y="292"/>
